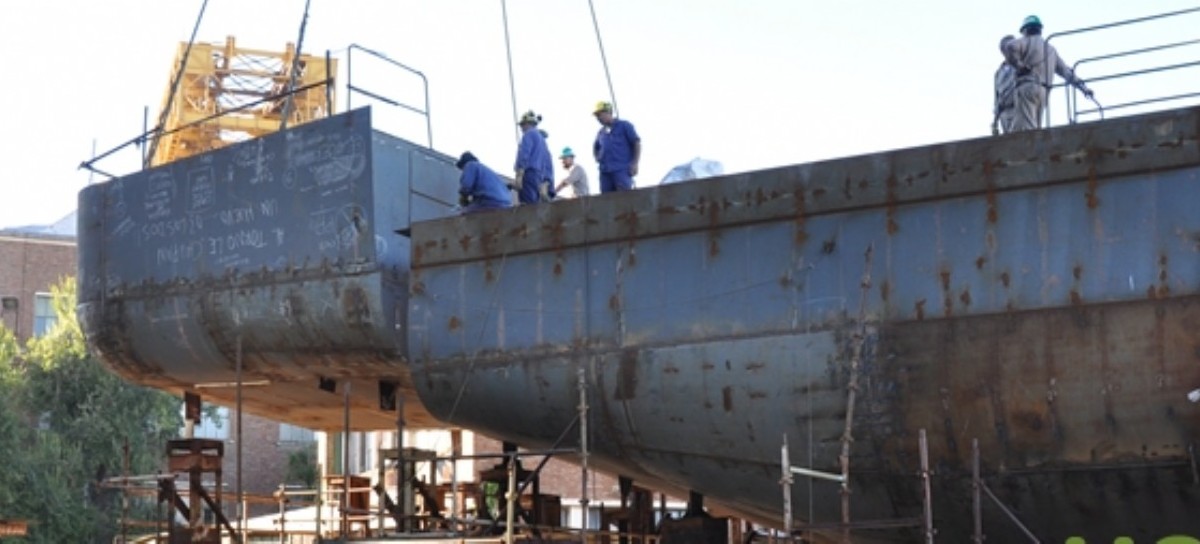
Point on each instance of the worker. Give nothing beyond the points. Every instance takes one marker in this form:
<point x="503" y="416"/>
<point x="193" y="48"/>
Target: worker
<point x="479" y="188"/>
<point x="576" y="176"/>
<point x="618" y="149"/>
<point x="1036" y="62"/>
<point x="1005" y="94"/>
<point x="535" y="169"/>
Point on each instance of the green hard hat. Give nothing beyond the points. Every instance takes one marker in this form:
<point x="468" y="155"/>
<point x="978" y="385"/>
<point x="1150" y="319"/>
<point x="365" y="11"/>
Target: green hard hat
<point x="567" y="153"/>
<point x="1032" y="20"/>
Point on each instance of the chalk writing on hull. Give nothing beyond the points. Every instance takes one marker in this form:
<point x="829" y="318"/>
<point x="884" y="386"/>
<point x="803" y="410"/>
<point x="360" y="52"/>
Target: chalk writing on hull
<point x="338" y="228"/>
<point x="160" y="195"/>
<point x="328" y="165"/>
<point x="254" y="162"/>
<point x="202" y="190"/>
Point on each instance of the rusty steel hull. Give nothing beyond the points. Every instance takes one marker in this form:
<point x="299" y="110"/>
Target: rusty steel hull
<point x="1037" y="292"/>
<point x="281" y="251"/>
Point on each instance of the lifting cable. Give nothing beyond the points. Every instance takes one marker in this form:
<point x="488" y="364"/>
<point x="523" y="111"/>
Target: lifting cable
<point x="295" y="69"/>
<point x="603" y="58"/>
<point x="162" y="117"/>
<point x="512" y="87"/>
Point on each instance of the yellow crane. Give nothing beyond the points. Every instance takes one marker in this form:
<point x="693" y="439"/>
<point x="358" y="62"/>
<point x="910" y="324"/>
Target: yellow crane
<point x="223" y="78"/>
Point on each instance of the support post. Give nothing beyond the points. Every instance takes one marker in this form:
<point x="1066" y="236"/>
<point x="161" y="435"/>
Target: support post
<point x="345" y="499"/>
<point x="925" y="484"/>
<point x="241" y="512"/>
<point x="455" y="453"/>
<point x="511" y="498"/>
<point x="401" y="473"/>
<point x="785" y="482"/>
<point x="583" y="446"/>
<point x="976" y="499"/>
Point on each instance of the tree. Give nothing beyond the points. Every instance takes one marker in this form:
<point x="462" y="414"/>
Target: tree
<point x="72" y="418"/>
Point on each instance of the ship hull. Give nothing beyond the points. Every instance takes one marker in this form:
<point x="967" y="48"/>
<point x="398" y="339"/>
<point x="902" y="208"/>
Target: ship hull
<point x="1036" y="293"/>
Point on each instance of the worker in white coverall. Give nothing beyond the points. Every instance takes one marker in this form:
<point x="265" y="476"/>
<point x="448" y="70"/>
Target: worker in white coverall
<point x="1005" y="96"/>
<point x="1036" y="62"/>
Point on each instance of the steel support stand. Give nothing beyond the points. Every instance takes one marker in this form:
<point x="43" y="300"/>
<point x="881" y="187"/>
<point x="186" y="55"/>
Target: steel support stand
<point x="925" y="484"/>
<point x="785" y="482"/>
<point x="977" y="500"/>
<point x="511" y="497"/>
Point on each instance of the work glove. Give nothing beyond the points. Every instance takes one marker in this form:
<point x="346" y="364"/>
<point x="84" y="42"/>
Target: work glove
<point x="544" y="191"/>
<point x="516" y="184"/>
<point x="463" y="200"/>
<point x="1088" y="93"/>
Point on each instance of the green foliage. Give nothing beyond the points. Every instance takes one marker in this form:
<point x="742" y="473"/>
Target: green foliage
<point x="64" y="424"/>
<point x="302" y="467"/>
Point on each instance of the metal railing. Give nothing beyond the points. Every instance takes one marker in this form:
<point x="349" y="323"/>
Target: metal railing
<point x="148" y="134"/>
<point x="352" y="88"/>
<point x="1074" y="110"/>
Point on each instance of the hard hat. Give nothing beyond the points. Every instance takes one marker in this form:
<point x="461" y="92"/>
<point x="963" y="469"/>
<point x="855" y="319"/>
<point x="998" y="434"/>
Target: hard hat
<point x="567" y="153"/>
<point x="1032" y="20"/>
<point x="603" y="106"/>
<point x="530" y="118"/>
<point x="466" y="157"/>
<point x="1004" y="41"/>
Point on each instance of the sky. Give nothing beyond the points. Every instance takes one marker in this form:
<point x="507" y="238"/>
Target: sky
<point x="750" y="83"/>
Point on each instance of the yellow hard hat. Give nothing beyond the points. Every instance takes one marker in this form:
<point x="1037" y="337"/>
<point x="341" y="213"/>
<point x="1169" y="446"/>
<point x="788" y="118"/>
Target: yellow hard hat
<point x="603" y="106"/>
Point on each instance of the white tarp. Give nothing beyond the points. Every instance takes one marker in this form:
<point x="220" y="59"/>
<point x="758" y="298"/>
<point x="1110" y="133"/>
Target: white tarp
<point x="696" y="168"/>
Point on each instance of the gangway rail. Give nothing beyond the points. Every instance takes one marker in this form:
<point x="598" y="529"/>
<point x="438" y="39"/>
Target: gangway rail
<point x="1074" y="112"/>
<point x="352" y="88"/>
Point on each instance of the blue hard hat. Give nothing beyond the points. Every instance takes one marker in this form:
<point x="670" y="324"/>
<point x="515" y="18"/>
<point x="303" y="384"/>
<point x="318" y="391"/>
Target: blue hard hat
<point x="566" y="153"/>
<point x="1032" y="20"/>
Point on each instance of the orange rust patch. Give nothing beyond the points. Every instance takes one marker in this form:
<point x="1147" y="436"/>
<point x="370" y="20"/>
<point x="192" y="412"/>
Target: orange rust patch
<point x="920" y="308"/>
<point x="614" y="303"/>
<point x="1005" y="279"/>
<point x="455" y="323"/>
<point x="885" y="290"/>
<point x="965" y="297"/>
<point x="980" y="262"/>
<point x="1093" y="185"/>
<point x="944" y="274"/>
<point x="1076" y="299"/>
<point x="1077" y="272"/>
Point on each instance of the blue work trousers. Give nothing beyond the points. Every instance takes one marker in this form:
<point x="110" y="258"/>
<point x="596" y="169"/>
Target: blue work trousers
<point x="615" y="181"/>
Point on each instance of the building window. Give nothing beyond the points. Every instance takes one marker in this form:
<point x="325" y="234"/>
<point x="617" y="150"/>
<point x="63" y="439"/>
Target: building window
<point x="43" y="313"/>
<point x="295" y="435"/>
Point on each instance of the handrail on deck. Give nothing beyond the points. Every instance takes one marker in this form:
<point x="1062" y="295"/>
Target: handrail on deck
<point x="1074" y="111"/>
<point x="353" y="89"/>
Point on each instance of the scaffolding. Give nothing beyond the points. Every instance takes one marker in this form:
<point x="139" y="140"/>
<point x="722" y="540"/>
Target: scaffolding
<point x="228" y="94"/>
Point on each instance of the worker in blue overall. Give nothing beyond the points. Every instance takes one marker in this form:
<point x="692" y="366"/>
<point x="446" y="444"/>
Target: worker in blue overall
<point x="480" y="189"/>
<point x="618" y="149"/>
<point x="535" y="168"/>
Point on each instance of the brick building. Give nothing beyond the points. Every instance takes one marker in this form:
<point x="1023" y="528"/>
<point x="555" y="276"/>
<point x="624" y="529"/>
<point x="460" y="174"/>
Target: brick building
<point x="31" y="262"/>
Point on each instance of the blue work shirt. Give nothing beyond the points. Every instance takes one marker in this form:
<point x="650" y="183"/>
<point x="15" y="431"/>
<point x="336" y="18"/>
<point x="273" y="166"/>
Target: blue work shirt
<point x="534" y="156"/>
<point x="485" y="188"/>
<point x="614" y="146"/>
